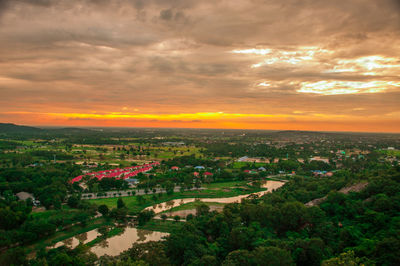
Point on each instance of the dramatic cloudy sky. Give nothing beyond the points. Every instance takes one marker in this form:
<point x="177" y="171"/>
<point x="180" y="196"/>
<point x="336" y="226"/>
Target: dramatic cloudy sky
<point x="272" y="64"/>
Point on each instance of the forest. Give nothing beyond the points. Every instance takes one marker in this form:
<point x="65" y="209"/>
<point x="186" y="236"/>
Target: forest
<point x="349" y="217"/>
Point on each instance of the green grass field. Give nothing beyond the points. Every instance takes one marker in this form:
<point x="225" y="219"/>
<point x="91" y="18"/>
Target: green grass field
<point x="192" y="205"/>
<point x="64" y="213"/>
<point x="395" y="153"/>
<point x="223" y="185"/>
<point x="238" y="165"/>
<point x="216" y="190"/>
<point x="70" y="232"/>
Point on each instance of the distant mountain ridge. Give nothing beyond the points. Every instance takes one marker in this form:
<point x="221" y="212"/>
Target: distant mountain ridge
<point x="13" y="128"/>
<point x="299" y="132"/>
<point x="9" y="128"/>
<point x="72" y="130"/>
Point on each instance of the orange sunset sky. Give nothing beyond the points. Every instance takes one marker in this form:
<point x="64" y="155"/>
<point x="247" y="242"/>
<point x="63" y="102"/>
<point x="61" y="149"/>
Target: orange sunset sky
<point x="273" y="64"/>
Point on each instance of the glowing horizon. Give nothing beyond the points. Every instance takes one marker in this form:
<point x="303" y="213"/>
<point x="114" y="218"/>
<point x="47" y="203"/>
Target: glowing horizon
<point x="162" y="64"/>
<point x="297" y="120"/>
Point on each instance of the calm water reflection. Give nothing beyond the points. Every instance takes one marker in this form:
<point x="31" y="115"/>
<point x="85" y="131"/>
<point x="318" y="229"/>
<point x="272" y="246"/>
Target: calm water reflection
<point x="74" y="241"/>
<point x="115" y="245"/>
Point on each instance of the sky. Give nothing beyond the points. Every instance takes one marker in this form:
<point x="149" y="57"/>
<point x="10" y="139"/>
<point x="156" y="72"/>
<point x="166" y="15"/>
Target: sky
<point x="272" y="64"/>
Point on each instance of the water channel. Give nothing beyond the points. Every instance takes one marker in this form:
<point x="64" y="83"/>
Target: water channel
<point x="119" y="243"/>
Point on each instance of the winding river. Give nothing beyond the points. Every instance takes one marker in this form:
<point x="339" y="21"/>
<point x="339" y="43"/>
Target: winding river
<point x="270" y="185"/>
<point x="119" y="243"/>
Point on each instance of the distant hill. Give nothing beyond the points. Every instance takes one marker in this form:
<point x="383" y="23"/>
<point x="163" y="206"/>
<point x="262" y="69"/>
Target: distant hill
<point x="16" y="129"/>
<point x="299" y="132"/>
<point x="9" y="128"/>
<point x="68" y="130"/>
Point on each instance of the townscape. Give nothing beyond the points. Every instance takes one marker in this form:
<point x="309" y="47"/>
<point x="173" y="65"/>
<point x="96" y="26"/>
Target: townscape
<point x="165" y="196"/>
<point x="199" y="133"/>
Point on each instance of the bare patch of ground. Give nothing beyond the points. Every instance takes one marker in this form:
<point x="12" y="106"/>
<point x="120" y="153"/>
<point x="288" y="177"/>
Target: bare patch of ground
<point x="346" y="190"/>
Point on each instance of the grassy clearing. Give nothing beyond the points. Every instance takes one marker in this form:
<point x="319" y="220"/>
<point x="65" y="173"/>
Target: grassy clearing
<point x="161" y="226"/>
<point x="192" y="205"/>
<point x="226" y="184"/>
<point x="238" y="165"/>
<point x="395" y="153"/>
<point x="113" y="232"/>
<point x="70" y="232"/>
<point x="171" y="152"/>
<point x="65" y="211"/>
<point x="134" y="206"/>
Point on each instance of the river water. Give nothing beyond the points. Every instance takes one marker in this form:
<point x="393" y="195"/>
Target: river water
<point x="115" y="245"/>
<point x="270" y="185"/>
<point x="74" y="241"/>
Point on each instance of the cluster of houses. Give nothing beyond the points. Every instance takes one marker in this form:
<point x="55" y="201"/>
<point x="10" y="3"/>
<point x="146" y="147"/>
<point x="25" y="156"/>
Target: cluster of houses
<point x="118" y="173"/>
<point x="197" y="172"/>
<point x="322" y="173"/>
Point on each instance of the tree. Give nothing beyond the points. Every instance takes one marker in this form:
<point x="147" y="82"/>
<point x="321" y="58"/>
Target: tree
<point x="120" y="203"/>
<point x="103" y="230"/>
<point x="169" y="187"/>
<point x="197" y="183"/>
<point x="15" y="256"/>
<point x="272" y="256"/>
<point x="57" y="204"/>
<point x="141" y="200"/>
<point x="145" y="216"/>
<point x="177" y="218"/>
<point x="292" y="216"/>
<point x="73" y="201"/>
<point x="238" y="258"/>
<point x="202" y="209"/>
<point x="164" y="217"/>
<point x="189" y="217"/>
<point x="206" y="260"/>
<point x="119" y="214"/>
<point x="346" y="258"/>
<point x="103" y="209"/>
<point x="82" y="218"/>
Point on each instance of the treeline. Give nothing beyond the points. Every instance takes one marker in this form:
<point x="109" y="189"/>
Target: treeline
<point x="49" y="183"/>
<point x="191" y="160"/>
<point x="359" y="228"/>
<point x="19" y="227"/>
<point x="8" y="145"/>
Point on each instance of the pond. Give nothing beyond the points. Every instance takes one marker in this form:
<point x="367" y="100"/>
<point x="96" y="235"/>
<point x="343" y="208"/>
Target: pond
<point x="74" y="241"/>
<point x="113" y="246"/>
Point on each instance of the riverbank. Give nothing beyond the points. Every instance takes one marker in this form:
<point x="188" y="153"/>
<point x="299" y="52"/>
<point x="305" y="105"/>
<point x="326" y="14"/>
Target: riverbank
<point x="215" y="190"/>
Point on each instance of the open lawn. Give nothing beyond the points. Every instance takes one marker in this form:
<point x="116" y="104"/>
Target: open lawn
<point x="65" y="213"/>
<point x="161" y="226"/>
<point x="216" y="190"/>
<point x="395" y="153"/>
<point x="223" y="185"/>
<point x="192" y="205"/>
<point x="70" y="232"/>
<point x="238" y="165"/>
<point x="171" y="152"/>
